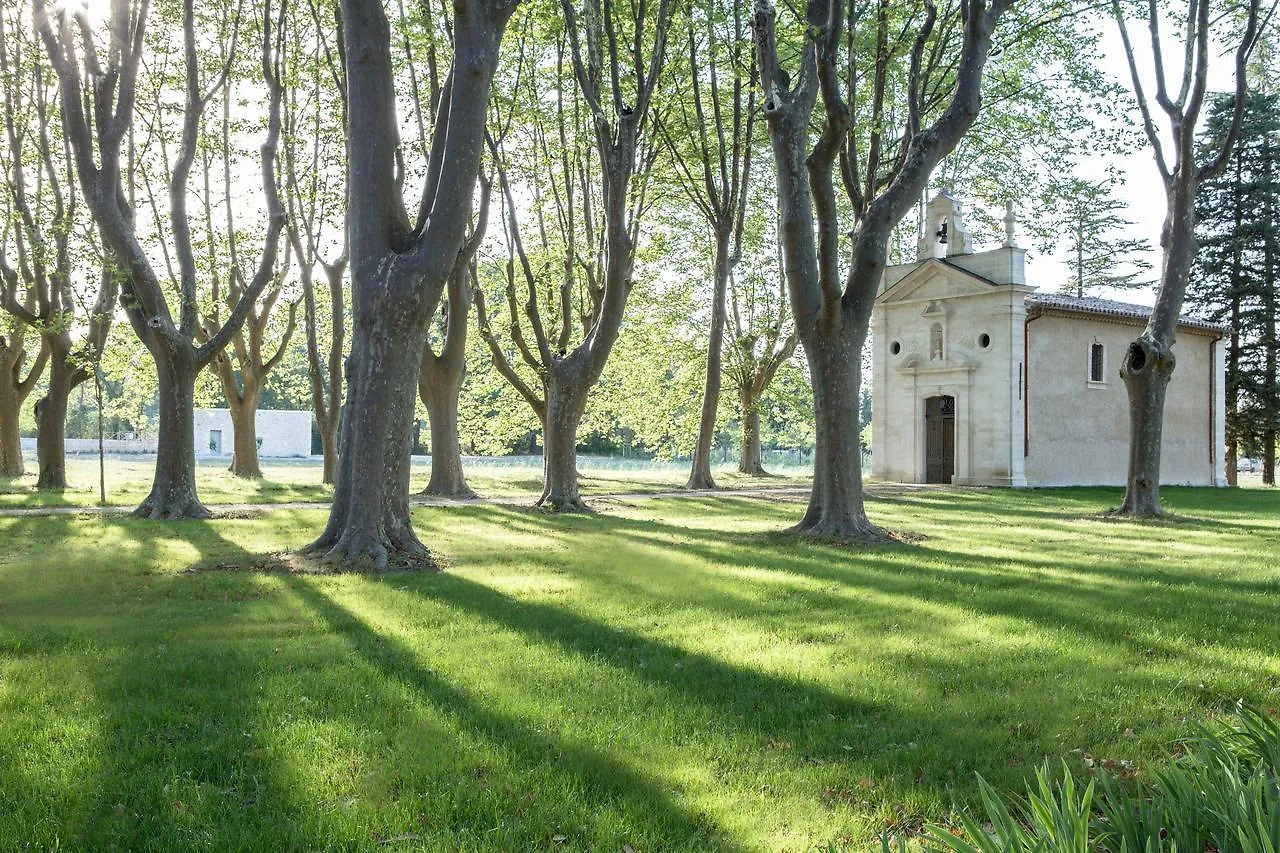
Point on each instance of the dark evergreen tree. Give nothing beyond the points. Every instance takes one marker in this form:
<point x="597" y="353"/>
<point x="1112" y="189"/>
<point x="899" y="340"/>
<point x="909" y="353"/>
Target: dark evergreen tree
<point x="1235" y="272"/>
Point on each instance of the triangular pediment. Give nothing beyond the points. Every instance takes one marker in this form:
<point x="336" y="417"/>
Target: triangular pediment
<point x="933" y="279"/>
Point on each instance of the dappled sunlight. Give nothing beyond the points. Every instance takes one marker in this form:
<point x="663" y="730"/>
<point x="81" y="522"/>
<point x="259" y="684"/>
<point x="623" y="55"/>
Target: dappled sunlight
<point x="669" y="673"/>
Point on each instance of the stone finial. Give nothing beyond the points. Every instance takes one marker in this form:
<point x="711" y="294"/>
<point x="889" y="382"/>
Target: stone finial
<point x="1010" y="221"/>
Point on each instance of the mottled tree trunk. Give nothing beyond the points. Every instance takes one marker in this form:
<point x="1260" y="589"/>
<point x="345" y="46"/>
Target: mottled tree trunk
<point x="836" y="502"/>
<point x="700" y="473"/>
<point x="1269" y="457"/>
<point x="1149" y="361"/>
<point x="441" y="399"/>
<point x="51" y="420"/>
<point x="1147" y="369"/>
<point x="566" y="402"/>
<point x="14" y="391"/>
<point x="173" y="489"/>
<point x="329" y="450"/>
<point x="749" y="463"/>
<point x="10" y="435"/>
<point x="244" y="425"/>
<point x="369" y="523"/>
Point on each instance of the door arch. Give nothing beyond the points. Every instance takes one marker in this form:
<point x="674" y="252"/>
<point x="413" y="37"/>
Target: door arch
<point x="939" y="439"/>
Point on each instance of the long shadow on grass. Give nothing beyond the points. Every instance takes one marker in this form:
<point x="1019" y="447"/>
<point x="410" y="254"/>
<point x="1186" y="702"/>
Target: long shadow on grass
<point x="606" y="787"/>
<point x="814" y="725"/>
<point x="1021" y="587"/>
<point x="164" y="748"/>
<point x="955" y="673"/>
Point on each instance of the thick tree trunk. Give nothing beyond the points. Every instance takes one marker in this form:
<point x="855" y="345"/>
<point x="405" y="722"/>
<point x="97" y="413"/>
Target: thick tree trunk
<point x="51" y="422"/>
<point x="441" y="400"/>
<point x="749" y="462"/>
<point x="835" y="505"/>
<point x="244" y="425"/>
<point x="1149" y="362"/>
<point x="1147" y="369"/>
<point x="700" y="473"/>
<point x="329" y="450"/>
<point x="369" y="525"/>
<point x="10" y="435"/>
<point x="566" y="402"/>
<point x="173" y="489"/>
<point x="1269" y="457"/>
<point x="13" y="393"/>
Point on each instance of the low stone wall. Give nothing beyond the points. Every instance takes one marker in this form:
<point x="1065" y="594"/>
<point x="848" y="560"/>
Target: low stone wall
<point x="110" y="445"/>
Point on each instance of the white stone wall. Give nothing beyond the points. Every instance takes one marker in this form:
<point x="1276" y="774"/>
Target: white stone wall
<point x="1079" y="430"/>
<point x="983" y="381"/>
<point x="109" y="445"/>
<point x="283" y="433"/>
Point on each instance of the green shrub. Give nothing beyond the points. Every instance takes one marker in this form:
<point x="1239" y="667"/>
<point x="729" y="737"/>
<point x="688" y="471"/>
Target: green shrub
<point x="1221" y="793"/>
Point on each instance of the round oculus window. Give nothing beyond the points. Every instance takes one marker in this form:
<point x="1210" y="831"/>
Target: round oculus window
<point x="895" y="347"/>
<point x="984" y="340"/>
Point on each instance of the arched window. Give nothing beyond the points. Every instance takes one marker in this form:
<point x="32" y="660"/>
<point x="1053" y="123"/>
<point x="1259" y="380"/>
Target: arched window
<point x="935" y="342"/>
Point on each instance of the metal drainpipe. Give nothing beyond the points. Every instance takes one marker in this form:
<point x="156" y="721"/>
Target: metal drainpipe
<point x="1026" y="385"/>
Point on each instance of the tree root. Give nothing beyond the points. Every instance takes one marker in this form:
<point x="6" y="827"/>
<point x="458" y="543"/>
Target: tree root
<point x="155" y="509"/>
<point x="361" y="553"/>
<point x="701" y="482"/>
<point x="848" y="531"/>
<point x="558" y="505"/>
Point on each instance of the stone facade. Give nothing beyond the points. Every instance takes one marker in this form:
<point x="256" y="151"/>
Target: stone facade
<point x="977" y="379"/>
<point x="282" y="433"/>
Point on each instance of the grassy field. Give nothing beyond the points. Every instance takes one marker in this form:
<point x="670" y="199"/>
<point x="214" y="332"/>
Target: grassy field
<point x="294" y="481"/>
<point x="669" y="674"/>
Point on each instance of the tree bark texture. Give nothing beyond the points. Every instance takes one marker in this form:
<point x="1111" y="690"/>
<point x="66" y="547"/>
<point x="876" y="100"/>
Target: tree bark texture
<point x="700" y="475"/>
<point x="1147" y="368"/>
<point x="243" y="391"/>
<point x="399" y="270"/>
<point x="51" y="417"/>
<point x="1149" y="361"/>
<point x="244" y="426"/>
<point x="14" y="390"/>
<point x="447" y="477"/>
<point x="749" y="462"/>
<point x="324" y="374"/>
<point x="369" y="526"/>
<point x="836" y="502"/>
<point x="173" y="488"/>
<point x="11" y="465"/>
<point x="566" y="396"/>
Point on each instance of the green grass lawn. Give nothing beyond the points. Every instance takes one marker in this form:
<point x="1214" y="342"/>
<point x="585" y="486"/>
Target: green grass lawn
<point x="293" y="481"/>
<point x="669" y="674"/>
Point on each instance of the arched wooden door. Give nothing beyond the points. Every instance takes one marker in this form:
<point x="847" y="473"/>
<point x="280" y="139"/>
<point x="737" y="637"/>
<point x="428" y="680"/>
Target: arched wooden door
<point x="939" y="439"/>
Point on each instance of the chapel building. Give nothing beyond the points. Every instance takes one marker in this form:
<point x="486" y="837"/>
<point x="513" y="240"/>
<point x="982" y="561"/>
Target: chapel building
<point x="977" y="379"/>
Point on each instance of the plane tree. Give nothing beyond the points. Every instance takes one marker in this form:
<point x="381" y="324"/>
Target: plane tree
<point x="1149" y="362"/>
<point x="314" y="123"/>
<point x="762" y="340"/>
<point x="245" y="365"/>
<point x="710" y="131"/>
<point x="899" y="87"/>
<point x="52" y="250"/>
<point x="596" y="187"/>
<point x="15" y="387"/>
<point x="399" y="265"/>
<point x="98" y="76"/>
